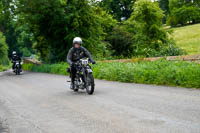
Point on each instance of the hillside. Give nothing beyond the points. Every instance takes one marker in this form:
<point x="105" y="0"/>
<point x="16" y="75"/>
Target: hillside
<point x="188" y="38"/>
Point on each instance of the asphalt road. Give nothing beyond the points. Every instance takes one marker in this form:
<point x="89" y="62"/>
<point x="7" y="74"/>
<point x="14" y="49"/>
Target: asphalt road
<point x="43" y="103"/>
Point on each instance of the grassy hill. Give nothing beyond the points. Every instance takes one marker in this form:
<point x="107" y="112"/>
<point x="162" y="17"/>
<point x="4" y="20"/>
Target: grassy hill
<point x="188" y="38"/>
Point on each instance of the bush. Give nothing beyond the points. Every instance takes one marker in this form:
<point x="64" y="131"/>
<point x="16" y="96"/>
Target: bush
<point x="3" y="68"/>
<point x="120" y="42"/>
<point x="162" y="72"/>
<point x="159" y="72"/>
<point x="169" y="50"/>
<point x="3" y="51"/>
<point x="184" y="15"/>
<point x="149" y="37"/>
<point x="47" y="68"/>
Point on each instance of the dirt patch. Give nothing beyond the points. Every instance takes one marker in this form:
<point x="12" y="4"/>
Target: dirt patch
<point x="31" y="61"/>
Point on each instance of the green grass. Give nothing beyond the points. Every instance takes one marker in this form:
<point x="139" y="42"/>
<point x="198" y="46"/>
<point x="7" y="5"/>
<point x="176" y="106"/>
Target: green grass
<point x="162" y="72"/>
<point x="47" y="68"/>
<point x="188" y="38"/>
<point x="3" y="68"/>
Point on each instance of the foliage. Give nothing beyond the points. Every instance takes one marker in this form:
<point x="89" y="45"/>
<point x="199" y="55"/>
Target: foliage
<point x="121" y="42"/>
<point x="142" y="34"/>
<point x="150" y="39"/>
<point x="170" y="50"/>
<point x="47" y="27"/>
<point x="182" y="12"/>
<point x="17" y="35"/>
<point x="162" y="72"/>
<point x="7" y="25"/>
<point x="55" y="23"/>
<point x="3" y="51"/>
<point x="159" y="72"/>
<point x="164" y="5"/>
<point x="47" y="68"/>
<point x="120" y="9"/>
<point x="4" y="68"/>
<point x="25" y="40"/>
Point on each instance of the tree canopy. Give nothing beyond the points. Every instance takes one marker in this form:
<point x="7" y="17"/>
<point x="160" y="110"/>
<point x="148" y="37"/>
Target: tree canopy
<point x="3" y="50"/>
<point x="120" y="9"/>
<point x="120" y="28"/>
<point x="183" y="12"/>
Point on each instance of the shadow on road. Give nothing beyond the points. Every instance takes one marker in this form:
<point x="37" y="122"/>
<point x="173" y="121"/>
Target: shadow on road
<point x="3" y="128"/>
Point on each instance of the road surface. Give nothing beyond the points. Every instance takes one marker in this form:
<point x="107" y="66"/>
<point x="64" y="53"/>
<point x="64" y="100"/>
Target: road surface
<point x="43" y="103"/>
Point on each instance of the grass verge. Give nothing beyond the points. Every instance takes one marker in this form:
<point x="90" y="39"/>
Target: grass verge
<point x="3" y="68"/>
<point x="162" y="72"/>
<point x="47" y="68"/>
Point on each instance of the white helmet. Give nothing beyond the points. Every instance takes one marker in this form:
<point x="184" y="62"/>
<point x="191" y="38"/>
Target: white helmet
<point x="77" y="40"/>
<point x="14" y="53"/>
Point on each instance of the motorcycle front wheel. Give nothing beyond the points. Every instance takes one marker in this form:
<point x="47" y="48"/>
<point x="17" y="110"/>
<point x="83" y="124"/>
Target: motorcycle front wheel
<point x="17" y="71"/>
<point x="90" y="84"/>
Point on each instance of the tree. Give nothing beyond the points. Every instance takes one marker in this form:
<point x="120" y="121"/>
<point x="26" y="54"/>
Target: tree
<point x="54" y="24"/>
<point x="145" y="24"/>
<point x="7" y="24"/>
<point x="120" y="9"/>
<point x="164" y="5"/>
<point x="121" y="42"/>
<point x="3" y="50"/>
<point x="25" y="40"/>
<point x="183" y="12"/>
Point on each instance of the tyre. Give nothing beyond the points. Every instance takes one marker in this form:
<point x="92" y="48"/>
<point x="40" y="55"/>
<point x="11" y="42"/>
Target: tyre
<point x="16" y="71"/>
<point x="90" y="84"/>
<point x="75" y="90"/>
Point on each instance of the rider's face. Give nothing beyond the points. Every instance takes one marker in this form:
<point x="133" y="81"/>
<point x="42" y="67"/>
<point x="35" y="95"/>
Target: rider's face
<point x="76" y="45"/>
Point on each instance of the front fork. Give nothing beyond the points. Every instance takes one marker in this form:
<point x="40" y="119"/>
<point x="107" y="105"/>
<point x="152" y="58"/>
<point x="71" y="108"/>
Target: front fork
<point x="86" y="71"/>
<point x="81" y="79"/>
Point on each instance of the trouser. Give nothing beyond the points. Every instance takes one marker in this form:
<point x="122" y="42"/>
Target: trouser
<point x="13" y="66"/>
<point x="73" y="73"/>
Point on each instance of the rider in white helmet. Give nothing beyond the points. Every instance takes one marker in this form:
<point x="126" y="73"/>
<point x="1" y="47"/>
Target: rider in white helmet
<point x="76" y="53"/>
<point x="15" y="58"/>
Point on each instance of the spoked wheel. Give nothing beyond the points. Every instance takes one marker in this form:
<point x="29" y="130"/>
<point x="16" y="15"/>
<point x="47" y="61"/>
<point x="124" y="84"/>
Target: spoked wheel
<point x="90" y="84"/>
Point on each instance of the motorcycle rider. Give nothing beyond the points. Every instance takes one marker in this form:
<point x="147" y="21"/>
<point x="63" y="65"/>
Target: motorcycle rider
<point x="14" y="59"/>
<point x="76" y="53"/>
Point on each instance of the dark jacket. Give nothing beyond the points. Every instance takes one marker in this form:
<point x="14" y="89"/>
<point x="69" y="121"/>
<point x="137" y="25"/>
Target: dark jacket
<point x="77" y="54"/>
<point x="16" y="58"/>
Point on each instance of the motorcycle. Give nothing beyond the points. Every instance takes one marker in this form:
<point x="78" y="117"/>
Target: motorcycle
<point x="17" y="69"/>
<point x="84" y="79"/>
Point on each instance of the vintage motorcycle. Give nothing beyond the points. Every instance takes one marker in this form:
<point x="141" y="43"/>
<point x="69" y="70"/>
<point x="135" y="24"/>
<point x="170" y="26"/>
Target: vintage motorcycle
<point x="84" y="79"/>
<point x="17" y="69"/>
